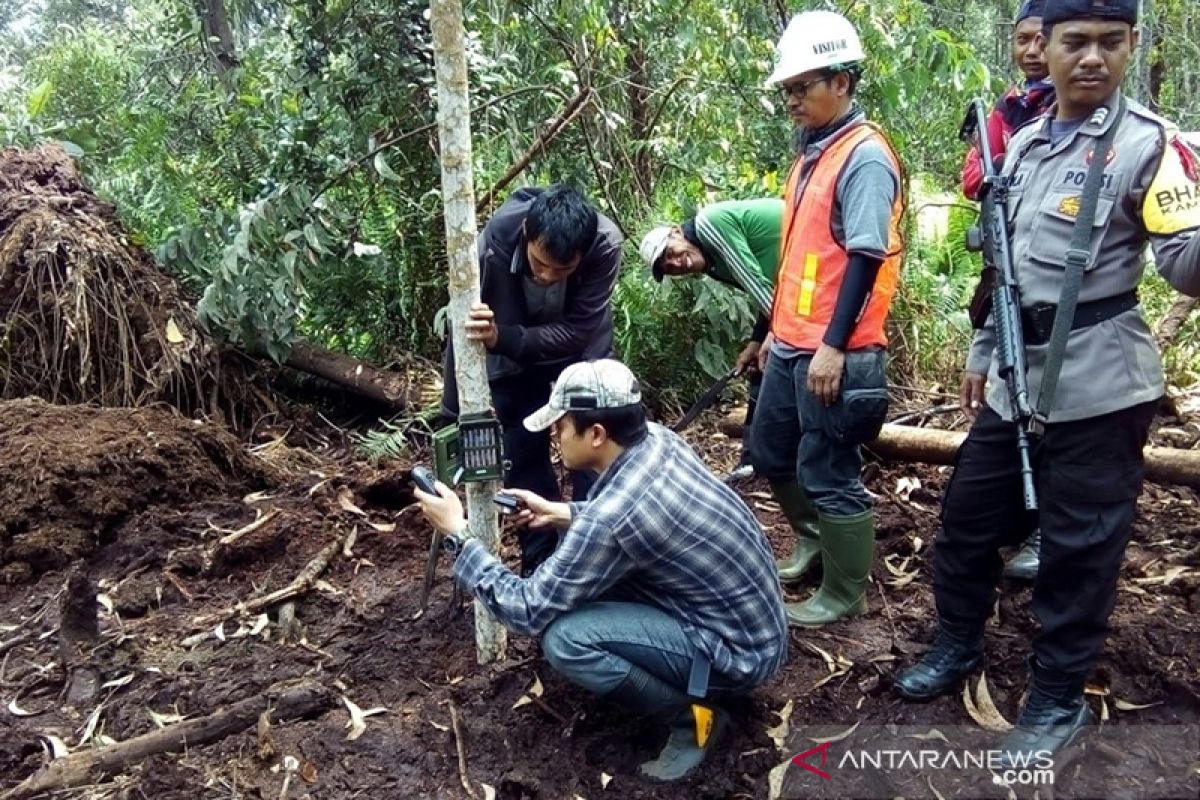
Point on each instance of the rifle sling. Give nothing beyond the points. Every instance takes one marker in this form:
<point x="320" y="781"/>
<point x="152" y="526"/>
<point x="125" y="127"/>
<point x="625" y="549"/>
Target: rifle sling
<point x="1079" y="256"/>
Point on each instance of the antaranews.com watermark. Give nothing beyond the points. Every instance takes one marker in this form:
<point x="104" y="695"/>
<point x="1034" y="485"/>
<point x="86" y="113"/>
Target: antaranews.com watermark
<point x="1135" y="761"/>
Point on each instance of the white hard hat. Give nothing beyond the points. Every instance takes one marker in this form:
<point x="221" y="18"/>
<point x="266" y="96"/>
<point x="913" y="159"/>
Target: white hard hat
<point x="815" y="40"/>
<point x="652" y="247"/>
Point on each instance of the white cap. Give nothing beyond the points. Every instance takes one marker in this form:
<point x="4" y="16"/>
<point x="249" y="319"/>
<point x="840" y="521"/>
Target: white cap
<point x="587" y="386"/>
<point x="652" y="247"/>
<point x="815" y="40"/>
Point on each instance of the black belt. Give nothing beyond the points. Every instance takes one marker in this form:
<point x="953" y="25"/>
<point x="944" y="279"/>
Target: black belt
<point x="1037" y="321"/>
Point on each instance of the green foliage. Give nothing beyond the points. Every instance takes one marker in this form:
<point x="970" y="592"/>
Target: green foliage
<point x="299" y="191"/>
<point x="1181" y="362"/>
<point x="929" y="328"/>
<point x="679" y="335"/>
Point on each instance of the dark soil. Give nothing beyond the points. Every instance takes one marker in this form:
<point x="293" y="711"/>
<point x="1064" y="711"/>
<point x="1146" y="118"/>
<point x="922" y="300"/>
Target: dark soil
<point x="71" y="477"/>
<point x="147" y="521"/>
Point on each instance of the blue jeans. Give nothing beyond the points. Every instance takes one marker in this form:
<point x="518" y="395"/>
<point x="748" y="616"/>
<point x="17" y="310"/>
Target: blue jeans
<point x="595" y="646"/>
<point x="791" y="441"/>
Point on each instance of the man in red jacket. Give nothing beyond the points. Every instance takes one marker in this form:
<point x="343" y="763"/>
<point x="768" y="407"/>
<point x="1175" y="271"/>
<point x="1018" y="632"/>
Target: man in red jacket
<point x="1020" y="103"/>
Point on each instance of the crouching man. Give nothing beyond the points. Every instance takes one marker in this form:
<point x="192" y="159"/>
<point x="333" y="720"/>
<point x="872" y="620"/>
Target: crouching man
<point x="662" y="595"/>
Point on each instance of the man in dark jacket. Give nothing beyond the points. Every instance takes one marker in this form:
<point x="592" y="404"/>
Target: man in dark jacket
<point x="548" y="263"/>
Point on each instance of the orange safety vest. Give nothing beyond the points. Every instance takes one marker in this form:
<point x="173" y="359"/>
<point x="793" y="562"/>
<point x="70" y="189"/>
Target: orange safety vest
<point x="812" y="263"/>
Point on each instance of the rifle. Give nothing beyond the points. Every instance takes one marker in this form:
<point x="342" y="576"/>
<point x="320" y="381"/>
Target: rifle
<point x="991" y="236"/>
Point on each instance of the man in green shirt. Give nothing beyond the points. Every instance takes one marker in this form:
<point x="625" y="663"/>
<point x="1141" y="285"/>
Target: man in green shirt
<point x="737" y="243"/>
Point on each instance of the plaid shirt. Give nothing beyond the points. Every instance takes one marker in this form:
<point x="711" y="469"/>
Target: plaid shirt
<point x="658" y="528"/>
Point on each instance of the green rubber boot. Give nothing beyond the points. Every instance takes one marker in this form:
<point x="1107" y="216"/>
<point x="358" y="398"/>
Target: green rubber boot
<point x="847" y="549"/>
<point x="802" y="516"/>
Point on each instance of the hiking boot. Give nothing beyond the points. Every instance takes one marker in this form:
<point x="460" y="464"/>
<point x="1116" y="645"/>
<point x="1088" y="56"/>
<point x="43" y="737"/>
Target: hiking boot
<point x="1024" y="565"/>
<point x="683" y="751"/>
<point x="847" y="548"/>
<point x="1052" y="718"/>
<point x="957" y="651"/>
<point x="802" y="517"/>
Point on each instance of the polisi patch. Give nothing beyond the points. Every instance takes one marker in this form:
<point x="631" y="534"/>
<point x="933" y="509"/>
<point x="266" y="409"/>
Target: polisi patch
<point x="1078" y="177"/>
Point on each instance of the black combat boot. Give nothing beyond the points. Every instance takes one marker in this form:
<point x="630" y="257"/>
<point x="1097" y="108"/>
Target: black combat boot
<point x="1024" y="565"/>
<point x="1052" y="718"/>
<point x="957" y="650"/>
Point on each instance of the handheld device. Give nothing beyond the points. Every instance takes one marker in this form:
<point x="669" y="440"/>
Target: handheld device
<point x="509" y="503"/>
<point x="423" y="477"/>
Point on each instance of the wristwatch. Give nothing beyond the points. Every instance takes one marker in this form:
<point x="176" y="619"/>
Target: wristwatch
<point x="452" y="543"/>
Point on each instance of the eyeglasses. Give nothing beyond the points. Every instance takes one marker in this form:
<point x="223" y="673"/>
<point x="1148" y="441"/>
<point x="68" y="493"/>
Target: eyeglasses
<point x="800" y="90"/>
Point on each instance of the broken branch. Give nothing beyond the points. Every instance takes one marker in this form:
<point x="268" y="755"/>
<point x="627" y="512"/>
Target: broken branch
<point x="552" y="128"/>
<point x="460" y="744"/>
<point x="299" y="585"/>
<point x="88" y="766"/>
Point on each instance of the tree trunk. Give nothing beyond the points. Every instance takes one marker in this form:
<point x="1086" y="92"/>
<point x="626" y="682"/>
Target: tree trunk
<point x="637" y="94"/>
<point x="89" y="766"/>
<point x="373" y="383"/>
<point x="1165" y="465"/>
<point x="218" y="35"/>
<point x="1143" y="90"/>
<point x="458" y="197"/>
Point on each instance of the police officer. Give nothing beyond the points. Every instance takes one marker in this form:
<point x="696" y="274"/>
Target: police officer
<point x="1088" y="461"/>
<point x="824" y="391"/>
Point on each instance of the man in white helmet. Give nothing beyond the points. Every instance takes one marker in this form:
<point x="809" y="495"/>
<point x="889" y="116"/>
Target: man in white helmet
<point x="824" y="392"/>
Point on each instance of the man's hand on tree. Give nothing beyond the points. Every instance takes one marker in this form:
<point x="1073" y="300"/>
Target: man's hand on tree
<point x="481" y="325"/>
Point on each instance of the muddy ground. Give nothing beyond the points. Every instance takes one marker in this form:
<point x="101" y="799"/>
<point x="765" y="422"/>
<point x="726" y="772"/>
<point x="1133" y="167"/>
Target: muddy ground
<point x="174" y="528"/>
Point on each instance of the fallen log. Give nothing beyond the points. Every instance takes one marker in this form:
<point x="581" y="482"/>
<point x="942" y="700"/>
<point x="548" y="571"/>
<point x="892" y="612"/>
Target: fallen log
<point x="905" y="443"/>
<point x="392" y="389"/>
<point x="89" y="766"/>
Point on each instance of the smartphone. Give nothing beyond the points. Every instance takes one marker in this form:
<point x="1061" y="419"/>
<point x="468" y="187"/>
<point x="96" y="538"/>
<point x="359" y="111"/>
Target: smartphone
<point x="422" y="476"/>
<point x="509" y="503"/>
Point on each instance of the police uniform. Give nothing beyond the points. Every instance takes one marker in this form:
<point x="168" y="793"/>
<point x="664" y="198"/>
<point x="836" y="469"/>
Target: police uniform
<point x="1088" y="464"/>
<point x="1088" y="459"/>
